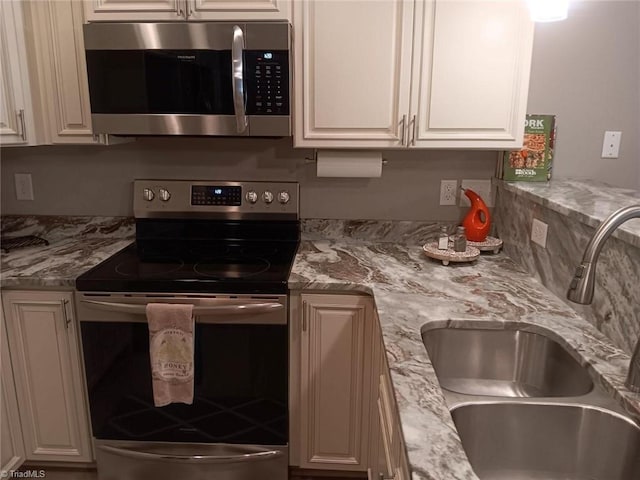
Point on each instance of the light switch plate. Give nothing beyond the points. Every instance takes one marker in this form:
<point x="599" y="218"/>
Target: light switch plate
<point x="611" y="144"/>
<point x="24" y="186"/>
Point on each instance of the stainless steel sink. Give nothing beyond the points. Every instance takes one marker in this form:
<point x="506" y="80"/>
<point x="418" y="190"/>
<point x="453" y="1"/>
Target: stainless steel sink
<point x="521" y="441"/>
<point x="505" y="363"/>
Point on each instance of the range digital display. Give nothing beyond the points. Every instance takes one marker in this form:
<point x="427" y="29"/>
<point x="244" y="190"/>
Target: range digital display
<point x="216" y="195"/>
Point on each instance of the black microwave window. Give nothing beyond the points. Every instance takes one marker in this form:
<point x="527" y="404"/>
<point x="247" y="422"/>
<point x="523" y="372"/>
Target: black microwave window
<point x="160" y="81"/>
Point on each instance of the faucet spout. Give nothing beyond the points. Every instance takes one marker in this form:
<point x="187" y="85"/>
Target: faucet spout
<point x="582" y="285"/>
<point x="583" y="282"/>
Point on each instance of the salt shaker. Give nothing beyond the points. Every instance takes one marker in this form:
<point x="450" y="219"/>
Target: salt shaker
<point x="460" y="240"/>
<point x="443" y="238"/>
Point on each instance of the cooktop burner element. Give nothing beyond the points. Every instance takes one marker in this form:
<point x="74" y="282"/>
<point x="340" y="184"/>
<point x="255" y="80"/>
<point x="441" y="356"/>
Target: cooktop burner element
<point x="135" y="268"/>
<point x="183" y="245"/>
<point x="232" y="267"/>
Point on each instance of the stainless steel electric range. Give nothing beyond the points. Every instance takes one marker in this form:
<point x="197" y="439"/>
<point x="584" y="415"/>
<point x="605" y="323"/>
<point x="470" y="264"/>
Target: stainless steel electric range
<point x="227" y="248"/>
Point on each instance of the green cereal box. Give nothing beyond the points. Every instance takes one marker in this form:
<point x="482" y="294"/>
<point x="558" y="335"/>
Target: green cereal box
<point x="533" y="162"/>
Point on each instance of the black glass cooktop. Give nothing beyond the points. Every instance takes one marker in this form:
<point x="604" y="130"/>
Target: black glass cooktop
<point x="201" y="260"/>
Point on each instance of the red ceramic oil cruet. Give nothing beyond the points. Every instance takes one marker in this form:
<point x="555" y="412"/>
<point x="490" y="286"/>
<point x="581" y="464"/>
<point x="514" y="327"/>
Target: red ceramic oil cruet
<point x="478" y="220"/>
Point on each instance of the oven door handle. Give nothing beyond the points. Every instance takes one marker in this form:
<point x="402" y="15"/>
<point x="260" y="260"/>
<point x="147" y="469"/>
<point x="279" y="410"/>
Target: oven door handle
<point x="233" y="309"/>
<point x="252" y="455"/>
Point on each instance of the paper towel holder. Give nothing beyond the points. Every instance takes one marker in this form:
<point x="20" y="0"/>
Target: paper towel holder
<point x="314" y="159"/>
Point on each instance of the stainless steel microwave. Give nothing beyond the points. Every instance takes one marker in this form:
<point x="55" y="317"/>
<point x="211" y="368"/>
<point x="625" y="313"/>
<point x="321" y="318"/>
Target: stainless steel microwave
<point x="189" y="78"/>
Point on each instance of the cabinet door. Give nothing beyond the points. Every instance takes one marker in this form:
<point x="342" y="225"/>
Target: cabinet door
<point x="235" y="10"/>
<point x="59" y="60"/>
<point x="134" y="10"/>
<point x="352" y="64"/>
<point x="46" y="361"/>
<point x="11" y="446"/>
<point x="16" y="113"/>
<point x="471" y="73"/>
<point x="335" y="386"/>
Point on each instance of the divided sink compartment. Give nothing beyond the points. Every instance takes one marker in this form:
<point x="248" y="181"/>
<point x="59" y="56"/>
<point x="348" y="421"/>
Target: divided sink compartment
<point x="504" y="363"/>
<point x="525" y="409"/>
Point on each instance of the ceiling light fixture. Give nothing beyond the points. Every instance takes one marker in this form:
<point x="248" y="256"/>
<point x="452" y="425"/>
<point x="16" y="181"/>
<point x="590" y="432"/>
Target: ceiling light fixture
<point x="548" y="10"/>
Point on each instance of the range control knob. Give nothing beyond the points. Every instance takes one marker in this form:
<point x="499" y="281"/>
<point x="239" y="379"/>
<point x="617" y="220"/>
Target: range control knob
<point x="148" y="194"/>
<point x="267" y="197"/>
<point x="165" y="195"/>
<point x="283" y="197"/>
<point x="251" y="196"/>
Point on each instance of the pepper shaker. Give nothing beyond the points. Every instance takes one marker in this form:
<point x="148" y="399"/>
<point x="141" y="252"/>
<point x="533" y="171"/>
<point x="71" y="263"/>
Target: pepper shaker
<point x="460" y="240"/>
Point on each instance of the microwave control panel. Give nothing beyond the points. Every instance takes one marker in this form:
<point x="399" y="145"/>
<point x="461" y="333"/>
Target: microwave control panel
<point x="267" y="81"/>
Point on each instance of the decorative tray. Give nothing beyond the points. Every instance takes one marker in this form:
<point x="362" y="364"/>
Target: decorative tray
<point x="491" y="244"/>
<point x="450" y="255"/>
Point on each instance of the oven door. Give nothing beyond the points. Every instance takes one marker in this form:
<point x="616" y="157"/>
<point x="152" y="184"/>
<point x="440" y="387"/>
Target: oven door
<point x="212" y="78"/>
<point x="237" y="425"/>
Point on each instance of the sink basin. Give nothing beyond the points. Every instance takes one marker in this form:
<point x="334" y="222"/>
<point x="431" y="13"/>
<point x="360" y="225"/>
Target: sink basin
<point x="505" y="363"/>
<point x="520" y="441"/>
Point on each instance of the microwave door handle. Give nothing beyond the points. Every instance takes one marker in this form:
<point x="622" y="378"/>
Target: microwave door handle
<point x="240" y="308"/>
<point x="237" y="49"/>
<point x="252" y="454"/>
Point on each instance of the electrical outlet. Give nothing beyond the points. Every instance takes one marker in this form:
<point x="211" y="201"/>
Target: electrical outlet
<point x="539" y="232"/>
<point x="448" y="192"/>
<point x="24" y="186"/>
<point x="611" y="144"/>
<point x="481" y="187"/>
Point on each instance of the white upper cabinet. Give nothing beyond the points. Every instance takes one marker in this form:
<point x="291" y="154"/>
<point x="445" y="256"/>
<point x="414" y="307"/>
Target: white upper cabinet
<point x="16" y="113"/>
<point x="352" y="70"/>
<point x="180" y="10"/>
<point x="134" y="10"/>
<point x="239" y="10"/>
<point x="425" y="74"/>
<point x="58" y="60"/>
<point x="471" y="66"/>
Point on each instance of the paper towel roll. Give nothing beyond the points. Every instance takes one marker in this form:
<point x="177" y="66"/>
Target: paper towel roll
<point x="333" y="163"/>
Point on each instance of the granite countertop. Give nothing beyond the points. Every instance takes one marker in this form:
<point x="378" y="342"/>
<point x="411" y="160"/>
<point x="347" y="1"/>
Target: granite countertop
<point x="587" y="201"/>
<point x="411" y="292"/>
<point x="75" y="245"/>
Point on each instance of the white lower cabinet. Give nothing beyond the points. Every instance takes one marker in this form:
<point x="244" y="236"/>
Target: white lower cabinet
<point x="11" y="445"/>
<point x="45" y="355"/>
<point x="343" y="411"/>
<point x="335" y="382"/>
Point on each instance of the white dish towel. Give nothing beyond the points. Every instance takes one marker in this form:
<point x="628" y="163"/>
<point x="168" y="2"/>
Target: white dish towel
<point x="171" y="331"/>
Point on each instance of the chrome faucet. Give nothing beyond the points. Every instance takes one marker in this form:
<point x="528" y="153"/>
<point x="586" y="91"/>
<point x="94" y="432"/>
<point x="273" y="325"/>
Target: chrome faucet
<point x="582" y="285"/>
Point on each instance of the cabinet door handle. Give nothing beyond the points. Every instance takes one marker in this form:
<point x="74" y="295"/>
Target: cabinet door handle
<point x="67" y="317"/>
<point x="413" y="131"/>
<point x="304" y="316"/>
<point x="179" y="10"/>
<point x="189" y="8"/>
<point x="21" y="124"/>
<point x="403" y="126"/>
